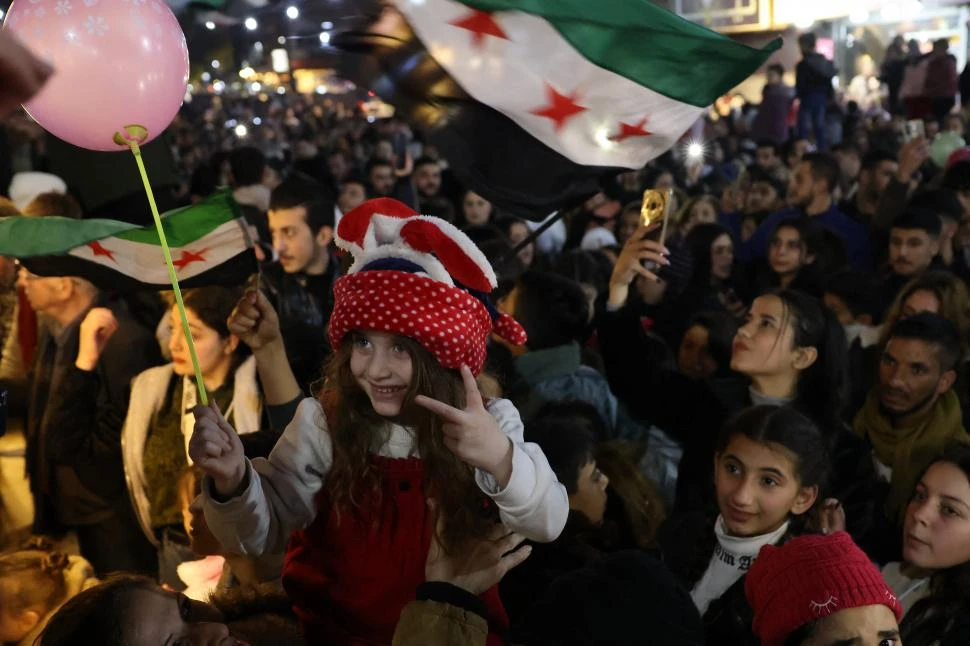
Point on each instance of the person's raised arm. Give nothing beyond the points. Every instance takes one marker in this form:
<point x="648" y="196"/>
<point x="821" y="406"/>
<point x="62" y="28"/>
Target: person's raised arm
<point x="22" y="74"/>
<point x="629" y="265"/>
<point x="912" y="155"/>
<point x="257" y="325"/>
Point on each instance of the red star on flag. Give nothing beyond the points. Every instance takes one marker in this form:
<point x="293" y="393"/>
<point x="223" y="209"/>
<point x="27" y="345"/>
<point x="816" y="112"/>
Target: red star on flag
<point x="188" y="258"/>
<point x="481" y="24"/>
<point x="101" y="251"/>
<point x="561" y="108"/>
<point x="627" y="131"/>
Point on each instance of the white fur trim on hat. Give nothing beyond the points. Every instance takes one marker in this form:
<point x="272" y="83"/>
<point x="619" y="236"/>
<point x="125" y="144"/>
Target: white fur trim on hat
<point x="26" y="186"/>
<point x="596" y="239"/>
<point x="432" y="268"/>
<point x="444" y="246"/>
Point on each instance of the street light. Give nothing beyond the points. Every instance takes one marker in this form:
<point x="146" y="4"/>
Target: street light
<point x="210" y="25"/>
<point x="251" y="24"/>
<point x="292" y="12"/>
<point x="324" y="37"/>
<point x="215" y="65"/>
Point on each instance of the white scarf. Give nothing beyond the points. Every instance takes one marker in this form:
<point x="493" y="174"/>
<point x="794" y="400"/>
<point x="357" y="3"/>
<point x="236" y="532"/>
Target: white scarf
<point x="732" y="558"/>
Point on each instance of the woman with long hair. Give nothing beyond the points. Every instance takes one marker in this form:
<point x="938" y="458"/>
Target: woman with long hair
<point x="933" y="579"/>
<point x="399" y="422"/>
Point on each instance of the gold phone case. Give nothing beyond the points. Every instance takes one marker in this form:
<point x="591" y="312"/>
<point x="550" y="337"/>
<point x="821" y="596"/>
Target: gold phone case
<point x="654" y="205"/>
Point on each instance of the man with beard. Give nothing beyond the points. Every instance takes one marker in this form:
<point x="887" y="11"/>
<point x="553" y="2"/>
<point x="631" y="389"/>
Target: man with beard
<point x="811" y="193"/>
<point x="913" y="412"/>
<point x="300" y="285"/>
<point x="914" y="244"/>
<point x="878" y="169"/>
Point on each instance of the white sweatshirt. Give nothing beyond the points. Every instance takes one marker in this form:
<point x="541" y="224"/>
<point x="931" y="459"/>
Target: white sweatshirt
<point x="279" y="497"/>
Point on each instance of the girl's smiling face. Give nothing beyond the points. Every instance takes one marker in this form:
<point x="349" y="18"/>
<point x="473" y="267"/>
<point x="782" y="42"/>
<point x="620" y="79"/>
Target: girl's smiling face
<point x="383" y="369"/>
<point x="758" y="487"/>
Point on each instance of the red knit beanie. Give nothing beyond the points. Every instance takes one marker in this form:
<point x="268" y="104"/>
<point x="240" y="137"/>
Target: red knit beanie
<point x="809" y="578"/>
<point x="420" y="277"/>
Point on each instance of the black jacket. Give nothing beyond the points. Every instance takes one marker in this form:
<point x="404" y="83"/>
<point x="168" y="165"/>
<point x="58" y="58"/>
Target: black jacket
<point x="813" y="75"/>
<point x="528" y="582"/>
<point x="74" y="422"/>
<point x="304" y="304"/>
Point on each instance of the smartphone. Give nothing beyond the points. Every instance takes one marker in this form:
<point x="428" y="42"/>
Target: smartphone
<point x="656" y="207"/>
<point x="913" y="129"/>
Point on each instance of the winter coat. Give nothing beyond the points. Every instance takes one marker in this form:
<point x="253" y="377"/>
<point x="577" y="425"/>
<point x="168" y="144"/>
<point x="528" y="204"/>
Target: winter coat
<point x="304" y="314"/>
<point x="75" y="419"/>
<point x="442" y="615"/>
<point x="813" y="75"/>
<point x="148" y="392"/>
<point x="771" y="122"/>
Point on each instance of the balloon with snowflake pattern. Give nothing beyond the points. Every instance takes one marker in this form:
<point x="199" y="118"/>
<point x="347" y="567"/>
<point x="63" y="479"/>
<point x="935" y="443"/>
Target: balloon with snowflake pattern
<point x="116" y="63"/>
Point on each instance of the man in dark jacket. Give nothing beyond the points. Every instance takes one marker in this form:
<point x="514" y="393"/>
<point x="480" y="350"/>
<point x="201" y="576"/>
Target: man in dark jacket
<point x="300" y="284"/>
<point x="78" y="390"/>
<point x="813" y="86"/>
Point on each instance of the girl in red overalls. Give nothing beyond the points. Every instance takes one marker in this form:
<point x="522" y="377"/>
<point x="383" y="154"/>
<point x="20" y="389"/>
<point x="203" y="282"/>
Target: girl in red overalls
<point x="400" y="421"/>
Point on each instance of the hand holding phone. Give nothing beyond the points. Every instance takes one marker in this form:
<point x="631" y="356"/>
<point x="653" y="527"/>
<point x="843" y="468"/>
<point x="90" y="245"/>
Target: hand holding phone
<point x="638" y="251"/>
<point x="914" y="129"/>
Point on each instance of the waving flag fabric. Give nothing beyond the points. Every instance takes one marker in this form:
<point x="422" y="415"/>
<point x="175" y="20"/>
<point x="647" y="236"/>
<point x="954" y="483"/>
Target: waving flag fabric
<point x="209" y="241"/>
<point x="533" y="101"/>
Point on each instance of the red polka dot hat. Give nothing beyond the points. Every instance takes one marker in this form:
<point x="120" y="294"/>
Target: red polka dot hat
<point x="420" y="277"/>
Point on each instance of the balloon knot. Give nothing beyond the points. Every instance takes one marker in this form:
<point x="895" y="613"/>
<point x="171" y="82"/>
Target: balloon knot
<point x="133" y="134"/>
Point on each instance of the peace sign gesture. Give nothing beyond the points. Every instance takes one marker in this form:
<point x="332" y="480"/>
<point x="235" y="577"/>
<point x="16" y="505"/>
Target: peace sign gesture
<point x="473" y="434"/>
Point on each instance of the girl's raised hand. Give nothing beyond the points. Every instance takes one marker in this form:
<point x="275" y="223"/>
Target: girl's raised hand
<point x="216" y="448"/>
<point x="473" y="434"/>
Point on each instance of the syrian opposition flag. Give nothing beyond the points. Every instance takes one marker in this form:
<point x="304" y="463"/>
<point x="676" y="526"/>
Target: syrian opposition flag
<point x="533" y="101"/>
<point x="209" y="241"/>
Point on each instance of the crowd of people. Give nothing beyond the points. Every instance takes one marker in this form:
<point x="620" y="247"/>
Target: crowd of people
<point x="431" y="423"/>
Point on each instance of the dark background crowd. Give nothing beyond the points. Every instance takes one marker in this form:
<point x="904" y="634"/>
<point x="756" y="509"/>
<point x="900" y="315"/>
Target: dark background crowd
<point x="789" y="364"/>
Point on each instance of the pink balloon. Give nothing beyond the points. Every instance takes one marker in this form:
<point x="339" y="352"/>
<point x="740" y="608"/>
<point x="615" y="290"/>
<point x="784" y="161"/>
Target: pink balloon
<point x="116" y="63"/>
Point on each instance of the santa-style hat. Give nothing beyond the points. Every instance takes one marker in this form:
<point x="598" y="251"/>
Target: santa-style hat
<point x="420" y="277"/>
<point x="809" y="578"/>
